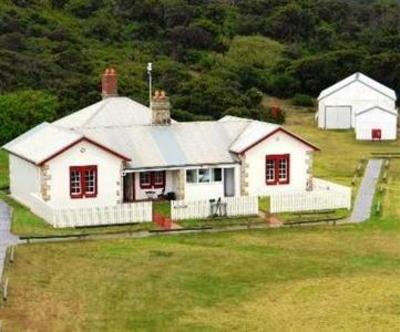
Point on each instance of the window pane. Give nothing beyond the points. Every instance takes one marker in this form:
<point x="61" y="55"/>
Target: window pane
<point x="216" y="174"/>
<point x="204" y="175"/>
<point x="90" y="181"/>
<point x="191" y="176"/>
<point x="270" y="170"/>
<point x="75" y="182"/>
<point x="145" y="178"/>
<point x="283" y="169"/>
<point x="158" y="178"/>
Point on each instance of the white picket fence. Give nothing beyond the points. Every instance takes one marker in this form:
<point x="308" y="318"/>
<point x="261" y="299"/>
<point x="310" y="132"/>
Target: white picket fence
<point x="235" y="207"/>
<point x="324" y="196"/>
<point x="108" y="215"/>
<point x="95" y="216"/>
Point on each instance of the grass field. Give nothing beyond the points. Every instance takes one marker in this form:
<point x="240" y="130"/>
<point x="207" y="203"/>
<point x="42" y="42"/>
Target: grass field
<point x="308" y="279"/>
<point x="297" y="279"/>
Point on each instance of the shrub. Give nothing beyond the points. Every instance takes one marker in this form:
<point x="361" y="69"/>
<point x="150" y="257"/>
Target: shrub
<point x="21" y="110"/>
<point x="302" y="100"/>
<point x="255" y="97"/>
<point x="268" y="116"/>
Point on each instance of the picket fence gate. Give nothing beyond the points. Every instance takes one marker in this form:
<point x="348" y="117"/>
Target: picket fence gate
<point x="235" y="207"/>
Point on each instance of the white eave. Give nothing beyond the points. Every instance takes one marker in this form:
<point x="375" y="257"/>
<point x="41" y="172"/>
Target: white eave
<point x="254" y="132"/>
<point x="358" y="77"/>
<point x="392" y="112"/>
<point x="41" y="142"/>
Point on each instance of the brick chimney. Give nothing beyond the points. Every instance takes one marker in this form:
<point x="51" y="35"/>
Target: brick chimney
<point x="161" y="108"/>
<point x="109" y="83"/>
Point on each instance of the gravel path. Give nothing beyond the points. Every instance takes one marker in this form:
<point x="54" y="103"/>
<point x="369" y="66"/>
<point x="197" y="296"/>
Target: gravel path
<point x="365" y="197"/>
<point x="6" y="238"/>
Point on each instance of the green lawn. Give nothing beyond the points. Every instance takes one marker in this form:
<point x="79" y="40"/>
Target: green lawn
<point x="299" y="279"/>
<point x="391" y="197"/>
<point x="163" y="208"/>
<point x="222" y="222"/>
<point x="313" y="216"/>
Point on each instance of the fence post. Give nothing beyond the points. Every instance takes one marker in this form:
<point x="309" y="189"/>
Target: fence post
<point x="12" y="254"/>
<point x="5" y="290"/>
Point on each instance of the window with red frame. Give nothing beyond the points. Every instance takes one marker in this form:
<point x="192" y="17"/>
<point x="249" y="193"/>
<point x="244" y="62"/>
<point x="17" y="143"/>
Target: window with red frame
<point x="277" y="169"/>
<point x="158" y="179"/>
<point x="83" y="181"/>
<point x="152" y="180"/>
<point x="145" y="180"/>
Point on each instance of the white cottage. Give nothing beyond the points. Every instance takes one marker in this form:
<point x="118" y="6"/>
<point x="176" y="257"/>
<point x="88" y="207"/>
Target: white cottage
<point x="362" y="103"/>
<point x="118" y="151"/>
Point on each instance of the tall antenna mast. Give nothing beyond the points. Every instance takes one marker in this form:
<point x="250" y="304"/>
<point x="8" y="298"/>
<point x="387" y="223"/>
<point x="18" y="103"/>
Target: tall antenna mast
<point x="149" y="70"/>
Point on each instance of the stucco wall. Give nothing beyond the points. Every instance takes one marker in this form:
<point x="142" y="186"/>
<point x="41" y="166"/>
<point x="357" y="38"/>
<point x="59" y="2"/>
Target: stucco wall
<point x="376" y="119"/>
<point x="280" y="143"/>
<point x="204" y="191"/>
<point x="85" y="154"/>
<point x="24" y="179"/>
<point x="358" y="96"/>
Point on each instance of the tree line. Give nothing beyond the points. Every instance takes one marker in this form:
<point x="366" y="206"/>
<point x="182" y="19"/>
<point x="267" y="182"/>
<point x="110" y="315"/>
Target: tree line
<point x="213" y="57"/>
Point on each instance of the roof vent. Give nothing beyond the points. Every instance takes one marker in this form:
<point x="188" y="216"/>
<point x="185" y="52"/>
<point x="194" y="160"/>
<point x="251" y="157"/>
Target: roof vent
<point x="109" y="83"/>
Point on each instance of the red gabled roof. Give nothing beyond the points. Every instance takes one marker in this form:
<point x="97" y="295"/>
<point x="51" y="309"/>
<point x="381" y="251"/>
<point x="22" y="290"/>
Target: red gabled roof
<point x="280" y="129"/>
<point x="87" y="140"/>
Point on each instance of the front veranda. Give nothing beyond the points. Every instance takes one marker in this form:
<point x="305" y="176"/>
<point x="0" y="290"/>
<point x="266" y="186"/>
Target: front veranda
<point x="192" y="183"/>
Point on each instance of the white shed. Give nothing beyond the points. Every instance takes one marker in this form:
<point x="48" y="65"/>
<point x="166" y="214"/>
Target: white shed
<point x="339" y="104"/>
<point x="376" y="123"/>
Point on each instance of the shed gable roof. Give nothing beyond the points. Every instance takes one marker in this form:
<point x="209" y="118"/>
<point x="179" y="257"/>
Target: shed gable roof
<point x="358" y="77"/>
<point x="378" y="108"/>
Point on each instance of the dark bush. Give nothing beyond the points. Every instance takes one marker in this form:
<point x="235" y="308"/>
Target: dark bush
<point x="302" y="100"/>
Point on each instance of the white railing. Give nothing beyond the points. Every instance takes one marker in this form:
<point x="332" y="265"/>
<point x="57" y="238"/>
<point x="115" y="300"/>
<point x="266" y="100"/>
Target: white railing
<point x="324" y="196"/>
<point x="108" y="215"/>
<point x="235" y="206"/>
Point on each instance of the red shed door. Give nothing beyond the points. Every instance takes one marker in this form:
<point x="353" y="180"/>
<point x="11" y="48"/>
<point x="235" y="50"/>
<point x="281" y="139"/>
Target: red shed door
<point x="376" y="134"/>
